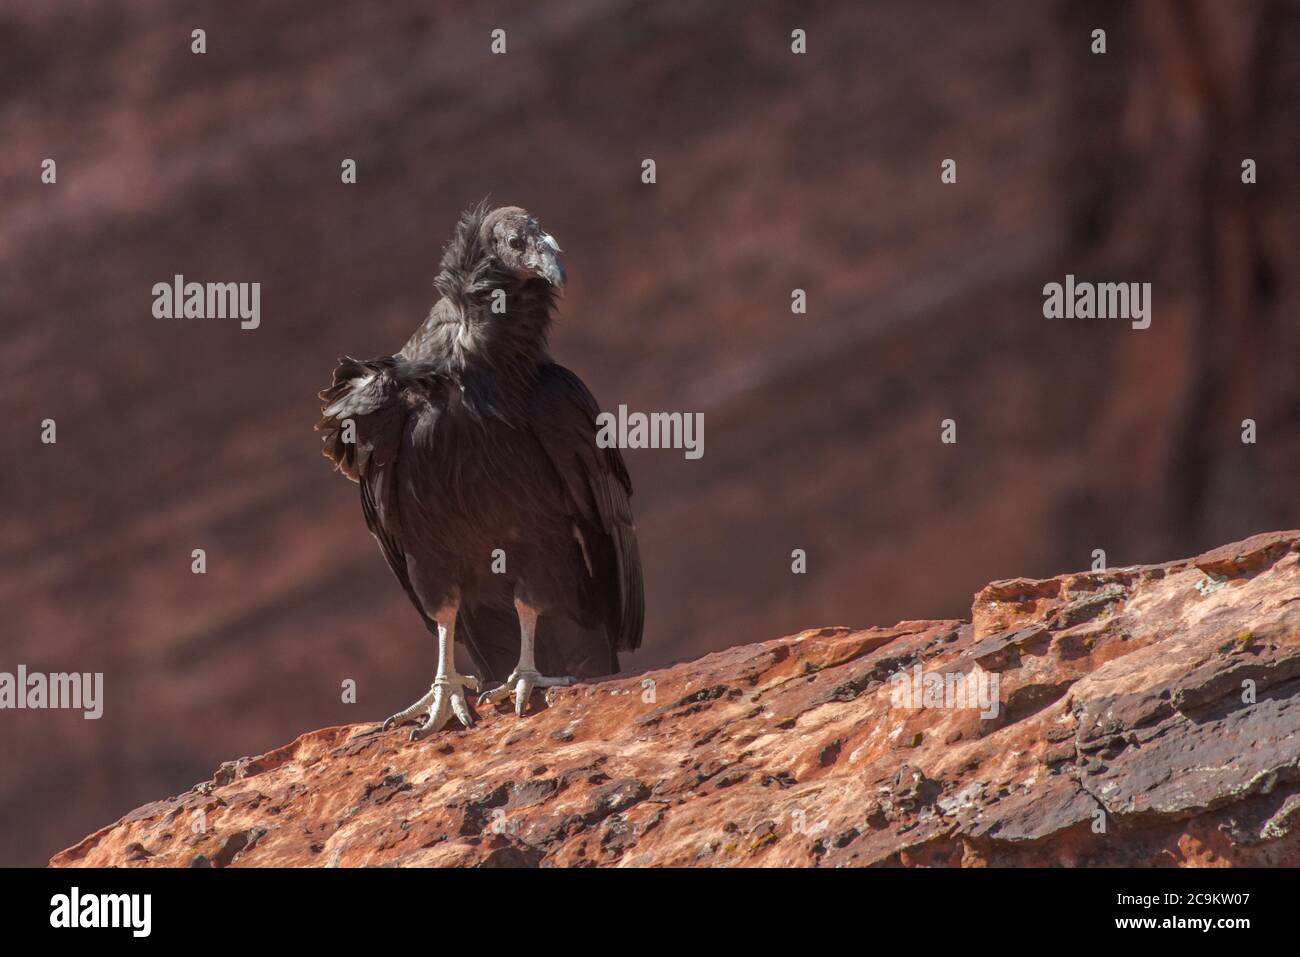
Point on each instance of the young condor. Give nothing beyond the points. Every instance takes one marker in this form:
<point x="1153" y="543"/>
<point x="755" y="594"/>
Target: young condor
<point x="481" y="479"/>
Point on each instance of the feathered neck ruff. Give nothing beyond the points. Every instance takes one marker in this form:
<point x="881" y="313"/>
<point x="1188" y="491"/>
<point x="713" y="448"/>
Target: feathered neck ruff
<point x="462" y="334"/>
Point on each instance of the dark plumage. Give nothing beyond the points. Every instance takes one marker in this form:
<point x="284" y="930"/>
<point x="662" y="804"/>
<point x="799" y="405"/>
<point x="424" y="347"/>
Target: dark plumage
<point x="469" y="440"/>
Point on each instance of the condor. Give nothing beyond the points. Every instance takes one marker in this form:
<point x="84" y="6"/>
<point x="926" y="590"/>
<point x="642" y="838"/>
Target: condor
<point x="470" y="443"/>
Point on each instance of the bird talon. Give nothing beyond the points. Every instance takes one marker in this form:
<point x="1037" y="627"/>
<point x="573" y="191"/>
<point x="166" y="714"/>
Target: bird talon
<point x="444" y="699"/>
<point x="523" y="690"/>
<point x="520" y="686"/>
<point x="493" y="695"/>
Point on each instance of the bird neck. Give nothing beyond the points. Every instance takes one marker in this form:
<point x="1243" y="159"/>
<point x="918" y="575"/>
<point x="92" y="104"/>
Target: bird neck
<point x="488" y="331"/>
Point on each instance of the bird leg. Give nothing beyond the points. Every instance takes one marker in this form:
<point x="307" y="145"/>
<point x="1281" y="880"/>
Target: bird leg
<point x="446" y="696"/>
<point x="524" y="678"/>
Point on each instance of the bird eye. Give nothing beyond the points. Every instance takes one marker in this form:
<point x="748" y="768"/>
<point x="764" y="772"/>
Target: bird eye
<point x="515" y="242"/>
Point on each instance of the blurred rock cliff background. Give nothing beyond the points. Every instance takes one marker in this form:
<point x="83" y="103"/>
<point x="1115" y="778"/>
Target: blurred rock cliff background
<point x="776" y="171"/>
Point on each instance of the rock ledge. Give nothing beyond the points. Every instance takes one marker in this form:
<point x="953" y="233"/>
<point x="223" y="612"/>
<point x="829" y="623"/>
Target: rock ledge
<point x="1147" y="716"/>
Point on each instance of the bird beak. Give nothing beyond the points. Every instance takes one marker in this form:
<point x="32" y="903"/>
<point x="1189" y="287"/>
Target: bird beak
<point x="551" y="270"/>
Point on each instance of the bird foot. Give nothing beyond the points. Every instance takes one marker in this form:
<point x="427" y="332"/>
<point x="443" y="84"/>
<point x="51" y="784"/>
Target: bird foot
<point x="445" y="697"/>
<point x="521" y="684"/>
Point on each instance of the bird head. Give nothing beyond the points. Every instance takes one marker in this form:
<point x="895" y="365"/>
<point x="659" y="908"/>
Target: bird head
<point x="520" y="245"/>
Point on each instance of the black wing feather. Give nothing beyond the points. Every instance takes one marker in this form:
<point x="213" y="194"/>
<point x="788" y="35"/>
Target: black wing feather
<point x="369" y="393"/>
<point x="599" y="489"/>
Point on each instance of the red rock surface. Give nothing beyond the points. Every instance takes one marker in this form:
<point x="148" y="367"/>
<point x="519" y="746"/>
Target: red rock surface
<point x="1123" y="738"/>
